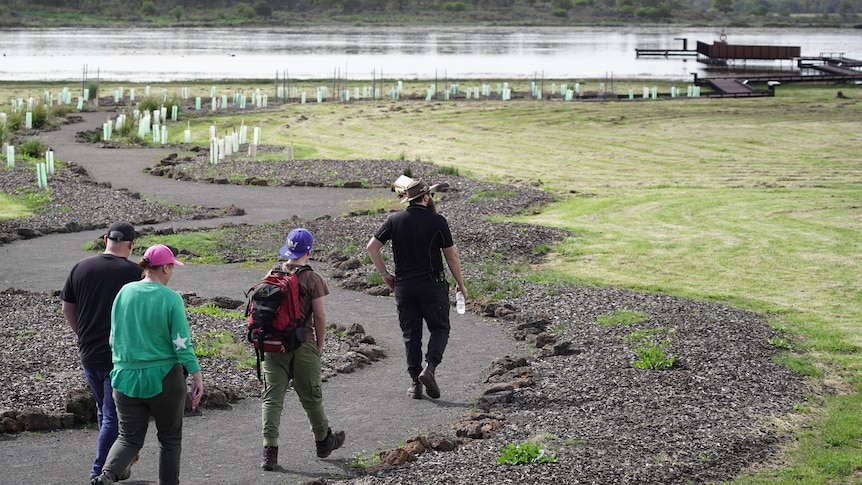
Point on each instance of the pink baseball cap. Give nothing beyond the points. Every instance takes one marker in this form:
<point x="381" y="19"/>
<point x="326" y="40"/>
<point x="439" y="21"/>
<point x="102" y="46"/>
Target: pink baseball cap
<point x="159" y="254"/>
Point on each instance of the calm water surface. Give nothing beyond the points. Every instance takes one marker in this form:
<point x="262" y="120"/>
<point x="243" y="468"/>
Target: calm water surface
<point x="154" y="55"/>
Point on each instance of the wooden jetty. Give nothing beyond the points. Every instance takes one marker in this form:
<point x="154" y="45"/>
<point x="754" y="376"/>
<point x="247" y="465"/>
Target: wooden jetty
<point x="829" y="67"/>
<point x="667" y="52"/>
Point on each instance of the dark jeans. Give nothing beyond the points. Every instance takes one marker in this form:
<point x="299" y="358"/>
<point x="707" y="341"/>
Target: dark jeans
<point x="427" y="301"/>
<point x="166" y="409"/>
<point x="106" y="414"/>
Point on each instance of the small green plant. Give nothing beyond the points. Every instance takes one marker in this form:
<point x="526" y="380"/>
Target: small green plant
<point x="374" y="279"/>
<point x="211" y="343"/>
<point x="408" y="172"/>
<point x="149" y="104"/>
<point x="26" y="334"/>
<point x="448" y="170"/>
<point x="651" y="355"/>
<point x="362" y="460"/>
<point x="35" y="200"/>
<point x="39" y="116"/>
<point x="33" y="148"/>
<point x="621" y="317"/>
<point x="92" y="90"/>
<point x="523" y="453"/>
<point x="779" y="343"/>
<point x="215" y="311"/>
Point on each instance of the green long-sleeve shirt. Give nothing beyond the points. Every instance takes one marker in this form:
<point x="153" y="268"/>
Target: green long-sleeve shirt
<point x="149" y="335"/>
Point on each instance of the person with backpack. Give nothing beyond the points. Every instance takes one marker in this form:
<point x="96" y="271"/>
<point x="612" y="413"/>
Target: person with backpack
<point x="87" y="297"/>
<point x="419" y="235"/>
<point x="153" y="354"/>
<point x="295" y="360"/>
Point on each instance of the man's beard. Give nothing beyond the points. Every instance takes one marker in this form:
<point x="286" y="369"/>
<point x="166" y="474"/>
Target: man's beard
<point x="431" y="205"/>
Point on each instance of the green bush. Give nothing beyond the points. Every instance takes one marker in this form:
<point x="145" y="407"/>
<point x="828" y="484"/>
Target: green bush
<point x="454" y="6"/>
<point x="263" y="9"/>
<point x="33" y="148"/>
<point x="149" y="8"/>
<point x="177" y="13"/>
<point x="149" y="104"/>
<point x="559" y="12"/>
<point x="245" y="10"/>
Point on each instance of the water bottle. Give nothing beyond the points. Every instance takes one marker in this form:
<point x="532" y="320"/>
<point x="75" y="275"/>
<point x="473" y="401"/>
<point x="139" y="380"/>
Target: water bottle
<point x="459" y="303"/>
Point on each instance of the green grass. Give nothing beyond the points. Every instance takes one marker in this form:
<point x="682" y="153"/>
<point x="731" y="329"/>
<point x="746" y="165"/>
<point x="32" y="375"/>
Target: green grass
<point x="754" y="203"/>
<point x="205" y="244"/>
<point x="11" y="207"/>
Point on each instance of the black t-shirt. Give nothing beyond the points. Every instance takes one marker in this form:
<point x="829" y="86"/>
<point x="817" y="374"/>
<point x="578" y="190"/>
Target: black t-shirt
<point x="92" y="285"/>
<point x="418" y="235"/>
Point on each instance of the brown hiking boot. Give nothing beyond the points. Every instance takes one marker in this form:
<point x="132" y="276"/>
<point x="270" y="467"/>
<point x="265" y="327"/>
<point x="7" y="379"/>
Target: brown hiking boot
<point x="415" y="391"/>
<point x="270" y="458"/>
<point x="332" y="442"/>
<point x="428" y="380"/>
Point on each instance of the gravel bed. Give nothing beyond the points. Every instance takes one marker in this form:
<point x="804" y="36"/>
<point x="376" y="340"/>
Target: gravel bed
<point x="718" y="411"/>
<point x="74" y="202"/>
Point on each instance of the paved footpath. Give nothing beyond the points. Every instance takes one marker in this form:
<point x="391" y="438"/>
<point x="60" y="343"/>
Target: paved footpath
<point x="224" y="446"/>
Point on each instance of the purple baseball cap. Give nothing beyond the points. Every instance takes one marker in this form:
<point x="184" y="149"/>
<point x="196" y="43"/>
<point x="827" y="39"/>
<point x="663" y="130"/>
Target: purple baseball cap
<point x="298" y="244"/>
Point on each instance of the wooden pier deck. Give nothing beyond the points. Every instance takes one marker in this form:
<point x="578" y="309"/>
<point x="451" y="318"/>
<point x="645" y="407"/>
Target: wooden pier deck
<point x="664" y="52"/>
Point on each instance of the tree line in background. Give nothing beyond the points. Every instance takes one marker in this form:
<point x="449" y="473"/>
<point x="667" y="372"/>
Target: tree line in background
<point x="513" y="11"/>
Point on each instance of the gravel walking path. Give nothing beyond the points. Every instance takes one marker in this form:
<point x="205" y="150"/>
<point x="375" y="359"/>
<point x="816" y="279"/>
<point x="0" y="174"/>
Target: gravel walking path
<point x="223" y="446"/>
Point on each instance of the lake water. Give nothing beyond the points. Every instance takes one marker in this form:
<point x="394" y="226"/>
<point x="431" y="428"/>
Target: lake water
<point x="156" y="55"/>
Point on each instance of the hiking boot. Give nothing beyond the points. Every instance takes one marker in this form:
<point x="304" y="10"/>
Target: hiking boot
<point x="128" y="471"/>
<point x="102" y="479"/>
<point x="427" y="379"/>
<point x="415" y="390"/>
<point x="332" y="442"/>
<point x="270" y="458"/>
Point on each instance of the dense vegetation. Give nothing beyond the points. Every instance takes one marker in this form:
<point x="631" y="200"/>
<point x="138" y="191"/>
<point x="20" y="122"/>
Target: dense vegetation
<point x="398" y="12"/>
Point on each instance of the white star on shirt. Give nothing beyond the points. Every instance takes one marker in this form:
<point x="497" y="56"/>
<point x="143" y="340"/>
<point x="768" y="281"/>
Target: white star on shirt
<point x="180" y="342"/>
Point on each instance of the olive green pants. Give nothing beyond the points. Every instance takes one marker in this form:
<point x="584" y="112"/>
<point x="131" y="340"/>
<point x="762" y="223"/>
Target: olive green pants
<point x="306" y="383"/>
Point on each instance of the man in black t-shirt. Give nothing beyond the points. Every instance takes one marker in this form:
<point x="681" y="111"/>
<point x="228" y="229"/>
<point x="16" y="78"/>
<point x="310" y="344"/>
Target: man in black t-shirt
<point x="88" y="296"/>
<point x="419" y="235"/>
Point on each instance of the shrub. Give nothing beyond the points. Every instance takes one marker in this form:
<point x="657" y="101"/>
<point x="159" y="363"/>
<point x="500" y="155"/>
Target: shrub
<point x="33" y="148"/>
<point x="454" y="6"/>
<point x="149" y="8"/>
<point x="263" y="9"/>
<point x="39" y="116"/>
<point x="92" y="90"/>
<point x="245" y="10"/>
<point x="177" y="13"/>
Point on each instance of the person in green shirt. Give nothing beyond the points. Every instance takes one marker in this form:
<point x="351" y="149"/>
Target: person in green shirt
<point x="152" y="353"/>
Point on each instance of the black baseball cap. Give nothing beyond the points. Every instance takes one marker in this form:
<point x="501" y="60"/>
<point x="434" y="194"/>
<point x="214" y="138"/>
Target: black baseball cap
<point x="121" y="231"/>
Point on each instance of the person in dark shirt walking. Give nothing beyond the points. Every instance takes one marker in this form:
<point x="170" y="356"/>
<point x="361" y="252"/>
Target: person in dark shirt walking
<point x="419" y="235"/>
<point x="87" y="297"/>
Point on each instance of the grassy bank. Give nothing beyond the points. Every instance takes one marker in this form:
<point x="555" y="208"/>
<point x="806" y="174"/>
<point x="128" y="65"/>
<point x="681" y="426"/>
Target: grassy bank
<point x="751" y="202"/>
